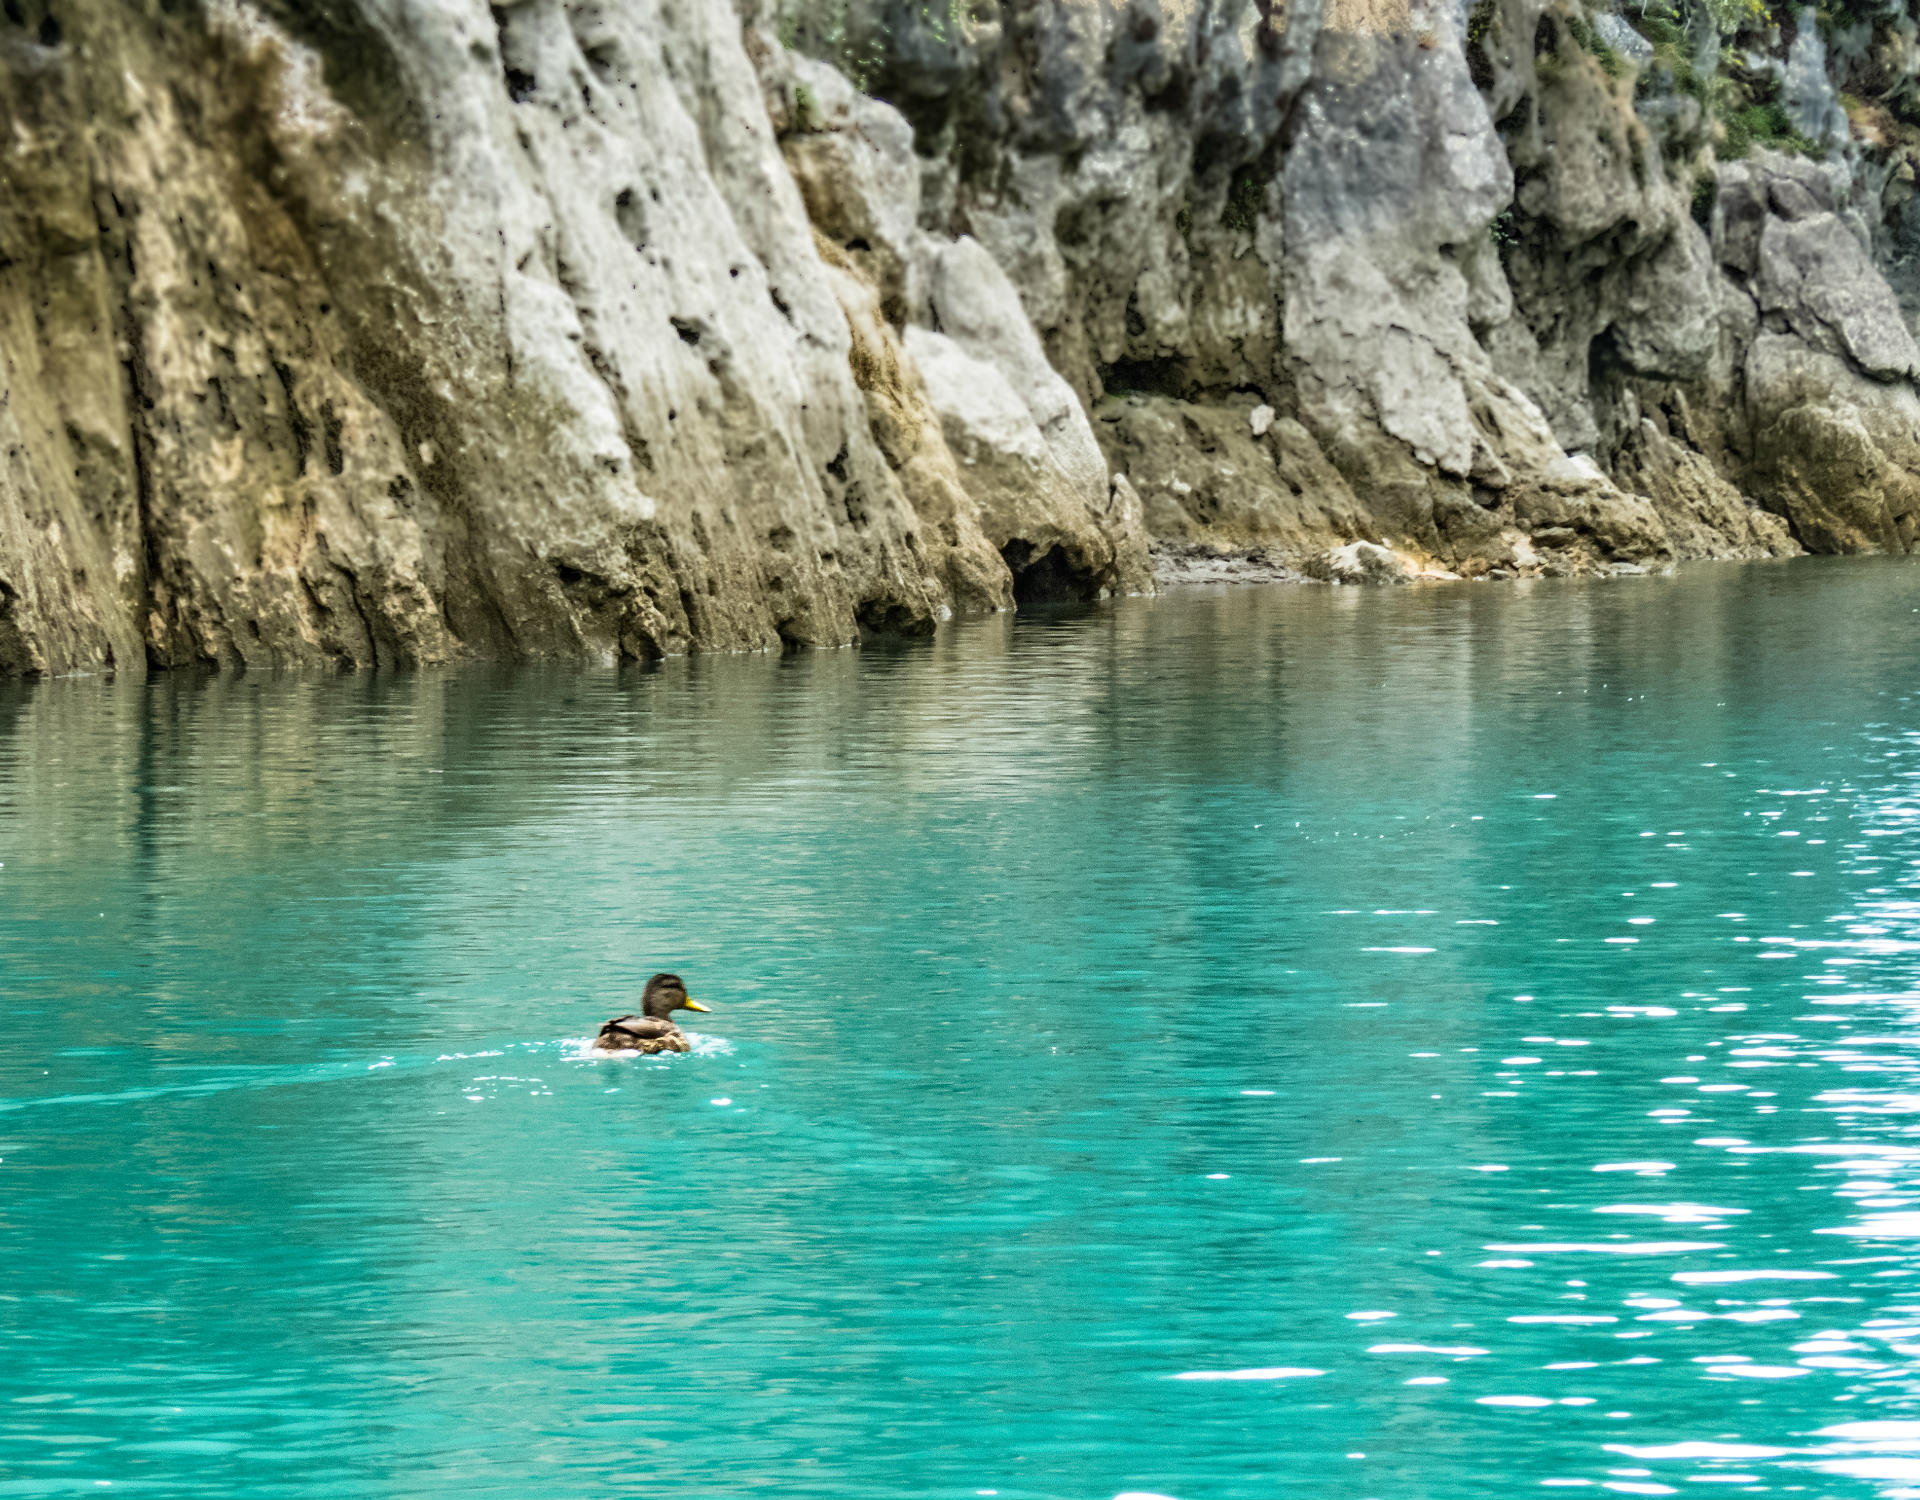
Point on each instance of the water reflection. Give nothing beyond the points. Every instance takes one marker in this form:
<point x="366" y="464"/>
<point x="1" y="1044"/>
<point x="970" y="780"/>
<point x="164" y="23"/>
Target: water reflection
<point x="1286" y="1042"/>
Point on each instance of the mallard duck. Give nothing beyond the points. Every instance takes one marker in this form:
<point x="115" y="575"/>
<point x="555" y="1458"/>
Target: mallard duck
<point x="653" y="1029"/>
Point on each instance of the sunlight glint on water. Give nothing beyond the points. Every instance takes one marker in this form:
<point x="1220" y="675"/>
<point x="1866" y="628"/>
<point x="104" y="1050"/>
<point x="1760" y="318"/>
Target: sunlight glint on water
<point x="1324" y="1043"/>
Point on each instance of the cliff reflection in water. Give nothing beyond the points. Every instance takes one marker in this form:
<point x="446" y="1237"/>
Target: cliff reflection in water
<point x="1467" y="1027"/>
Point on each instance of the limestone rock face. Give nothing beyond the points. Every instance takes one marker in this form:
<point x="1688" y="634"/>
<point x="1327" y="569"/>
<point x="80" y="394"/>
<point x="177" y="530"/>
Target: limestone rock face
<point x="1825" y="423"/>
<point x="1204" y="475"/>
<point x="1704" y="515"/>
<point x="391" y="331"/>
<point x="371" y="332"/>
<point x="1472" y="264"/>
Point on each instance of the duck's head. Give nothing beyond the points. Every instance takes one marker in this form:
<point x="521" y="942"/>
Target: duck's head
<point x="665" y="993"/>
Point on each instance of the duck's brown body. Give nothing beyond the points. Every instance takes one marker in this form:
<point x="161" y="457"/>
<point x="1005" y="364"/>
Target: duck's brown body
<point x="653" y="1029"/>
<point x="640" y="1034"/>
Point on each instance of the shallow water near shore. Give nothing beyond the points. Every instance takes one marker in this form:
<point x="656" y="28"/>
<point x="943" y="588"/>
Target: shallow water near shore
<point x="1303" y="1042"/>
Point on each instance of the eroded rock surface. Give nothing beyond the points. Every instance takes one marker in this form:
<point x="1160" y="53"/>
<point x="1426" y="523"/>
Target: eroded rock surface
<point x="1503" y="293"/>
<point x="369" y="332"/>
<point x="395" y="330"/>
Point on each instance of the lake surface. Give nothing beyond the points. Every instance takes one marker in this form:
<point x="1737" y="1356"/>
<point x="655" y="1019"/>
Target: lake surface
<point x="1327" y="1043"/>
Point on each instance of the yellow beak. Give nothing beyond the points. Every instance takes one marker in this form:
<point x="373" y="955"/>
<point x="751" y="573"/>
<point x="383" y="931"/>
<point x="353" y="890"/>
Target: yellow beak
<point x="693" y="1005"/>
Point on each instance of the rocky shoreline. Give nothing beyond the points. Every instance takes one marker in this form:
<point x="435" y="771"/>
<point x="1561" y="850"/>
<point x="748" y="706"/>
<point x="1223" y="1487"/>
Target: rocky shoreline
<point x="378" y="332"/>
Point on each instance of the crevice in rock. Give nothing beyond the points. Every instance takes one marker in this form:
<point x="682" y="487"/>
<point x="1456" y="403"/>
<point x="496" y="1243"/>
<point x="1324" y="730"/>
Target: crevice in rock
<point x="139" y="446"/>
<point x="297" y="422"/>
<point x="889" y="616"/>
<point x="1165" y="376"/>
<point x="1047" y="575"/>
<point x="16" y="654"/>
<point x="515" y="58"/>
<point x="362" y="610"/>
<point x="331" y="430"/>
<point x="854" y="502"/>
<point x="631" y="217"/>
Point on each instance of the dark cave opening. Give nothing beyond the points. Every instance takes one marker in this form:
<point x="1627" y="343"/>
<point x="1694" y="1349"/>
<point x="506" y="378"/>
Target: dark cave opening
<point x="1145" y="377"/>
<point x="1047" y="576"/>
<point x="892" y="617"/>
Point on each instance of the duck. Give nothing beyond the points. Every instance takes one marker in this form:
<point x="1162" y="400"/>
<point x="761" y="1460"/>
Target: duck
<point x="653" y="1029"/>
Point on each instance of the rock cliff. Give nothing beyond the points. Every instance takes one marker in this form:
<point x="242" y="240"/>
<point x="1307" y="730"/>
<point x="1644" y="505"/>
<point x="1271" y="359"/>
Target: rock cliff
<point x="371" y="332"/>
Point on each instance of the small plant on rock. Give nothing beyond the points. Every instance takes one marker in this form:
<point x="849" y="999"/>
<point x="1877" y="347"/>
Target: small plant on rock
<point x="1244" y="199"/>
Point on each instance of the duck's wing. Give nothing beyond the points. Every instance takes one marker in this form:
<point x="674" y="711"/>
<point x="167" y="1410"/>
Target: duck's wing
<point x="646" y="1028"/>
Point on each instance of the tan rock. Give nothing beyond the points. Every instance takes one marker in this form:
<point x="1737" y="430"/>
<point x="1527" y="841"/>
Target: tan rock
<point x="470" y="332"/>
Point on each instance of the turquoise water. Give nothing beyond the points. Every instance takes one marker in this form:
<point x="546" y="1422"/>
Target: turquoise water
<point x="1321" y="1043"/>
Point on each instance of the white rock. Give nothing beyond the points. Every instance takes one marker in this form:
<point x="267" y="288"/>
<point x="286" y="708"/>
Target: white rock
<point x="1362" y="562"/>
<point x="1576" y="468"/>
<point x="980" y="311"/>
